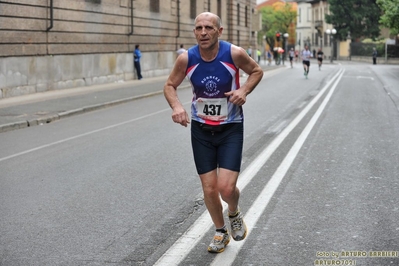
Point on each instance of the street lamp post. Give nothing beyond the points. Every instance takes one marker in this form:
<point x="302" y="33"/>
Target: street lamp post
<point x="331" y="34"/>
<point x="285" y="35"/>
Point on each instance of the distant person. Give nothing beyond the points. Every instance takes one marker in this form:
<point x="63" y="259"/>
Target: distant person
<point x="249" y="51"/>
<point x="181" y="50"/>
<point x="291" y="56"/>
<point x="269" y="57"/>
<point x="137" y="57"/>
<point x="320" y="56"/>
<point x="306" y="55"/>
<point x="259" y="55"/>
<point x="374" y="56"/>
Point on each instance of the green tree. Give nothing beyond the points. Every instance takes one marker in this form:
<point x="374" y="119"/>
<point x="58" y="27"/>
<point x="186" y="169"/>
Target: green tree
<point x="390" y="18"/>
<point x="276" y="18"/>
<point x="359" y="17"/>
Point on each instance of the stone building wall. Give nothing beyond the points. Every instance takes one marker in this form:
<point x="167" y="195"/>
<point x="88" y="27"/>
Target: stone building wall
<point x="58" y="44"/>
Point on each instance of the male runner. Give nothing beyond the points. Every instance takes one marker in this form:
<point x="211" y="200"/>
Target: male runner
<point x="320" y="56"/>
<point x="306" y="55"/>
<point x="213" y="68"/>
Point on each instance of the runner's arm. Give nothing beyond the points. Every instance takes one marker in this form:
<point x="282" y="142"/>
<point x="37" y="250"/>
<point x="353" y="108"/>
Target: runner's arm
<point x="176" y="77"/>
<point x="250" y="67"/>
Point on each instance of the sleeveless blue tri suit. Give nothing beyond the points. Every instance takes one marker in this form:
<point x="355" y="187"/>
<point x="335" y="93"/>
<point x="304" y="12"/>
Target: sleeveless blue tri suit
<point x="212" y="80"/>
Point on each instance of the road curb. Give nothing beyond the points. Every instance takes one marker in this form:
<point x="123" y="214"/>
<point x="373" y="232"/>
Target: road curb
<point x="13" y="126"/>
<point x="48" y="119"/>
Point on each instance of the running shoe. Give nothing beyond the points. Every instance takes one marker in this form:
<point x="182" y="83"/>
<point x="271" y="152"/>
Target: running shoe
<point x="238" y="227"/>
<point x="219" y="242"/>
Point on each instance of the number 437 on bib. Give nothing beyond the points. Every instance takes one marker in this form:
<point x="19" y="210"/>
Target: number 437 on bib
<point x="213" y="109"/>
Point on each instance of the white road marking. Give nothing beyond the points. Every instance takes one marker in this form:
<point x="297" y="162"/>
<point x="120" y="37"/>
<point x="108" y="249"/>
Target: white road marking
<point x="260" y="204"/>
<point x="359" y="77"/>
<point x="182" y="247"/>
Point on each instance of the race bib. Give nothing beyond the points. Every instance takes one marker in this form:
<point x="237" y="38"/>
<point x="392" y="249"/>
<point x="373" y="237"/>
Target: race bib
<point x="212" y="109"/>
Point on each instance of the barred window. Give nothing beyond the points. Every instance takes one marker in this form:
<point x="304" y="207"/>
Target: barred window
<point x="299" y="15"/>
<point x="94" y="1"/>
<point x="193" y="9"/>
<point x="154" y="6"/>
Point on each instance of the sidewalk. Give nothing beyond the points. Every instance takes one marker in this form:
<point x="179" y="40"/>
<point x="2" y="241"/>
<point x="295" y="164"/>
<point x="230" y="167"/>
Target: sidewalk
<point x="41" y="108"/>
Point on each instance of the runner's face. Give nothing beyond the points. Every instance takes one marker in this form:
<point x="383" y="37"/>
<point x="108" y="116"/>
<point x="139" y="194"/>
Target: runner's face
<point x="206" y="31"/>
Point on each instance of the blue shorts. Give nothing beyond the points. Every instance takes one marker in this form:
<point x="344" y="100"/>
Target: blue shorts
<point x="213" y="149"/>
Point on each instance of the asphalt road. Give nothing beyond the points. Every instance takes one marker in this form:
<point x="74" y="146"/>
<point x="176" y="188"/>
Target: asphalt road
<point x="117" y="186"/>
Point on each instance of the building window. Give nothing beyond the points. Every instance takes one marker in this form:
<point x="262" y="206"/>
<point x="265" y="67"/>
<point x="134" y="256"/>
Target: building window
<point x="300" y="38"/>
<point x="209" y="5"/>
<point x="94" y="1"/>
<point x="154" y="6"/>
<point x="193" y="9"/>
<point x="299" y="15"/>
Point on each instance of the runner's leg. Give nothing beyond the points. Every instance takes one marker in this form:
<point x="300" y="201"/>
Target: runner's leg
<point x="212" y="200"/>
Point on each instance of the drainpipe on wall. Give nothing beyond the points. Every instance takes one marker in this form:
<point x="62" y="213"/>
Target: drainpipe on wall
<point x="251" y="43"/>
<point x="230" y="21"/>
<point x="131" y="18"/>
<point x="51" y="16"/>
<point x="178" y="24"/>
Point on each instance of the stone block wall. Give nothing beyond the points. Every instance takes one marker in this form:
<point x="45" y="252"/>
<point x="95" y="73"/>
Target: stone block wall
<point x="59" y="44"/>
<point x="25" y="75"/>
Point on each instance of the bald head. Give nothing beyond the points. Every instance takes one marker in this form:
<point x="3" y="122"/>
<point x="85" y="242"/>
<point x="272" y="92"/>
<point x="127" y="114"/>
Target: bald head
<point x="210" y="15"/>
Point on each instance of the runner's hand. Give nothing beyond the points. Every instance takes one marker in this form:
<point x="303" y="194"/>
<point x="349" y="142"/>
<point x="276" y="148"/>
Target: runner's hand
<point x="237" y="97"/>
<point x="180" y="116"/>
